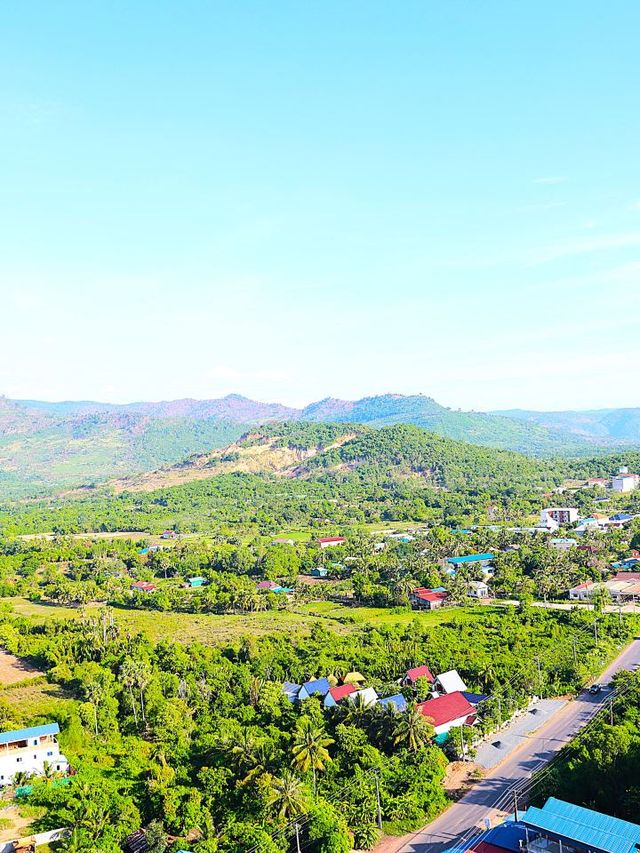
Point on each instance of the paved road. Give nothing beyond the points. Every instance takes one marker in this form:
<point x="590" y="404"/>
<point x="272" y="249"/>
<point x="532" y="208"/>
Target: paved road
<point x="480" y="802"/>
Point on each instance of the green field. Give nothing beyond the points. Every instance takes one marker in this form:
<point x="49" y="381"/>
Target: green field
<point x="211" y="629"/>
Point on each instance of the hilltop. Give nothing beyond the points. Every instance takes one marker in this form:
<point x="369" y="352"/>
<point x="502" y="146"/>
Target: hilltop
<point x="46" y="446"/>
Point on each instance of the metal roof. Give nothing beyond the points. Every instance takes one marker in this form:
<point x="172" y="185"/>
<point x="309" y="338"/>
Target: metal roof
<point x="25" y="734"/>
<point x="470" y="558"/>
<point x="584" y="826"/>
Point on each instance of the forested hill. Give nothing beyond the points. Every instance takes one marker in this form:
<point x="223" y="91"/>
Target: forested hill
<point x="46" y="447"/>
<point x="341" y="452"/>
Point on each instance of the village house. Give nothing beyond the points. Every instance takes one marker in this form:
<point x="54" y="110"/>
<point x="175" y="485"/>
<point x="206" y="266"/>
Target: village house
<point x="367" y="696"/>
<point x="427" y="599"/>
<point x="28" y="750"/>
<point x="331" y="541"/>
<point x="447" y="712"/>
<point x="563" y="544"/>
<point x="397" y="702"/>
<point x="558" y="516"/>
<point x="335" y="694"/>
<point x="412" y="675"/>
<point x="623" y="481"/>
<point x="478" y="589"/>
<point x="450" y="682"/>
<point x="474" y="560"/>
<point x="316" y="687"/>
<point x="168" y="534"/>
<point x="143" y="586"/>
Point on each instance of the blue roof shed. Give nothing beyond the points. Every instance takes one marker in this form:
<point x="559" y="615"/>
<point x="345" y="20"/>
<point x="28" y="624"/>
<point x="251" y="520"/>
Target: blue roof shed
<point x="583" y="828"/>
<point x="470" y="558"/>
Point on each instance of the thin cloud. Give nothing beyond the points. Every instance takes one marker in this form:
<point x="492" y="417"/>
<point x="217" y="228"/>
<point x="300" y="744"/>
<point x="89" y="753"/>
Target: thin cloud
<point x="635" y="205"/>
<point x="583" y="247"/>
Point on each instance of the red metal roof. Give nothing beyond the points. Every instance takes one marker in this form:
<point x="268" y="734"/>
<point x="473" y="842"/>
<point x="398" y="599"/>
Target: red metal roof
<point x="429" y="594"/>
<point x="484" y="847"/>
<point x="144" y="585"/>
<point x="444" y="709"/>
<point x="343" y="690"/>
<point x="332" y="539"/>
<point x="627" y="576"/>
<point x="419" y="672"/>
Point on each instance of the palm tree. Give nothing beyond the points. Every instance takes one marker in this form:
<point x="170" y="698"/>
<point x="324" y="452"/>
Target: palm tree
<point x="310" y="748"/>
<point x="287" y="796"/>
<point x="414" y="730"/>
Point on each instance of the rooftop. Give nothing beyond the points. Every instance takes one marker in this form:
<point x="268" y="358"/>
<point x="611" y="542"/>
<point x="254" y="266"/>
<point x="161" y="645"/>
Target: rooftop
<point x="25" y="734"/>
<point x="584" y="826"/>
<point x="444" y="709"/>
<point x="470" y="558"/>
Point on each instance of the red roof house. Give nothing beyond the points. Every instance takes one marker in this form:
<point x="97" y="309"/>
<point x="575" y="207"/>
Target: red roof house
<point x="447" y="711"/>
<point x="328" y="541"/>
<point x="337" y="693"/>
<point x="418" y="672"/>
<point x="144" y="586"/>
<point x="427" y="598"/>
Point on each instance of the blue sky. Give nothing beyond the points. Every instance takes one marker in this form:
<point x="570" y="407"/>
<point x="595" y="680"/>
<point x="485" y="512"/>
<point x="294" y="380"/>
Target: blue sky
<point x="293" y="200"/>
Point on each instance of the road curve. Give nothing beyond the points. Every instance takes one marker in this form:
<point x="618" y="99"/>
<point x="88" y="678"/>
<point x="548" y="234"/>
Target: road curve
<point x="460" y="819"/>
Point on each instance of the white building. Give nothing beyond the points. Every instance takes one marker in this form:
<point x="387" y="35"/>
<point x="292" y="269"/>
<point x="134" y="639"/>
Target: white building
<point x="28" y="750"/>
<point x="556" y="516"/>
<point x="450" y="682"/>
<point x="367" y="697"/>
<point x="563" y="544"/>
<point x="623" y="481"/>
<point x="478" y="589"/>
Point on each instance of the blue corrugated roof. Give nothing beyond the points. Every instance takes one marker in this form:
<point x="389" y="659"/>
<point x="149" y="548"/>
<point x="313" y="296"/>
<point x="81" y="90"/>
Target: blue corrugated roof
<point x="398" y="701"/>
<point x="584" y="826"/>
<point x="507" y="835"/>
<point x="318" y="685"/>
<point x="469" y="558"/>
<point x="25" y="734"/>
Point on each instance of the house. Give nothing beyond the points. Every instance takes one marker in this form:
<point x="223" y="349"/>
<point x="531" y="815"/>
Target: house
<point x="319" y="572"/>
<point x="331" y="541"/>
<point x="559" y="515"/>
<point x="474" y="698"/>
<point x="591" y="524"/>
<point x="291" y="691"/>
<point x="623" y="481"/>
<point x="602" y="482"/>
<point x="427" y="599"/>
<point x="168" y="534"/>
<point x="270" y="585"/>
<point x="367" y="696"/>
<point x="582" y="592"/>
<point x="143" y="586"/>
<point x="335" y="694"/>
<point x="450" y="682"/>
<point x="478" y="589"/>
<point x="354" y="678"/>
<point x="28" y="750"/>
<point x="196" y="582"/>
<point x="412" y="675"/>
<point x="563" y="544"/>
<point x="564" y="826"/>
<point x="397" y="702"/>
<point x="448" y="711"/>
<point x="316" y="687"/>
<point x="620" y="519"/>
<point x="473" y="560"/>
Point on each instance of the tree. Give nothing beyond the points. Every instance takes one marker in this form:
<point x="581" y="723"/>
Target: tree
<point x="286" y="796"/>
<point x="310" y="748"/>
<point x="414" y="729"/>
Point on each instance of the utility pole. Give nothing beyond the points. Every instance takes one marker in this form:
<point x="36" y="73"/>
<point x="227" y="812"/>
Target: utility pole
<point x="539" y="676"/>
<point x="298" y="838"/>
<point x="595" y="630"/>
<point x="611" y="712"/>
<point x="515" y="806"/>
<point x="575" y="652"/>
<point x="375" y="776"/>
<point x="499" y="709"/>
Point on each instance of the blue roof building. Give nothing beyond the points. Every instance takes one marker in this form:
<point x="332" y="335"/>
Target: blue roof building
<point x="582" y="829"/>
<point x="397" y="701"/>
<point x="27" y="734"/>
<point x="470" y="558"/>
<point x="474" y="698"/>
<point x="317" y="687"/>
<point x="291" y="690"/>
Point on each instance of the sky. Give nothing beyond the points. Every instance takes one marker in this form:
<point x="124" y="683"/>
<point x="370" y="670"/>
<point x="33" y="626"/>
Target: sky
<point x="294" y="200"/>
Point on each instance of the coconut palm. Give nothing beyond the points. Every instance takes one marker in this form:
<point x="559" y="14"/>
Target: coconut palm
<point x="414" y="729"/>
<point x="310" y="748"/>
<point x="286" y="795"/>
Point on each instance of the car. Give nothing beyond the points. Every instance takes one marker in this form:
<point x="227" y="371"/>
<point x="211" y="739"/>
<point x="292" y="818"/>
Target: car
<point x="595" y="688"/>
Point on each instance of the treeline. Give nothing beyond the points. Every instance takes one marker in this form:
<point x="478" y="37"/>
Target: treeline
<point x="200" y="742"/>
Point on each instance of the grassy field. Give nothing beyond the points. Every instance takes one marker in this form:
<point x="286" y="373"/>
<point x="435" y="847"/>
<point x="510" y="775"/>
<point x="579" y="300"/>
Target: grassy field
<point x="186" y="627"/>
<point x="213" y="630"/>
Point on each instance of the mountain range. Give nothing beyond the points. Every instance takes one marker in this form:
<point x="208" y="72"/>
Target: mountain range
<point x="48" y="446"/>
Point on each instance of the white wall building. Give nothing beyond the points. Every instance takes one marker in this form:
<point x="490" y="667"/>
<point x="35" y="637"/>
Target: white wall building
<point x="559" y="515"/>
<point x="478" y="589"/>
<point x="624" y="481"/>
<point x="27" y="750"/>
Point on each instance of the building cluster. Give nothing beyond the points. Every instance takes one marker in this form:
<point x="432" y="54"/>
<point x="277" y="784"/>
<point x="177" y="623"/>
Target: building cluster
<point x="30" y="752"/>
<point x="623" y="588"/>
<point x="449" y="705"/>
<point x="558" y="827"/>
<point x="552" y="518"/>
